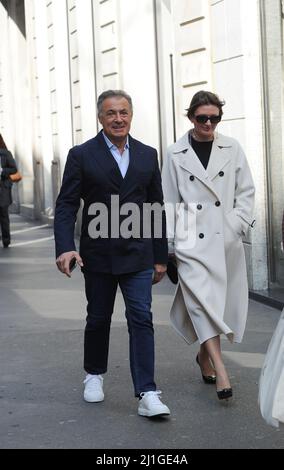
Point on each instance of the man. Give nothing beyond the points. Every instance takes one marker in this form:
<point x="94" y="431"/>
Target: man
<point x="113" y="165"/>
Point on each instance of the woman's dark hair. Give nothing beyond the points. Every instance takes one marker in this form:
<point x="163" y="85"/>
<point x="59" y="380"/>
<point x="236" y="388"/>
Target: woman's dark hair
<point x="202" y="98"/>
<point x="2" y="143"/>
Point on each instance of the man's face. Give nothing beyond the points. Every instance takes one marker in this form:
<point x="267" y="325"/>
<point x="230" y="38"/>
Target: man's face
<point x="116" y="117"/>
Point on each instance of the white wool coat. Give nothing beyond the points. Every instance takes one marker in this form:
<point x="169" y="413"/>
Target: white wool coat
<point x="214" y="208"/>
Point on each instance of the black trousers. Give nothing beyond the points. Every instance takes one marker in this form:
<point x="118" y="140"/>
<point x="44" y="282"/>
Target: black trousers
<point x="5" y="225"/>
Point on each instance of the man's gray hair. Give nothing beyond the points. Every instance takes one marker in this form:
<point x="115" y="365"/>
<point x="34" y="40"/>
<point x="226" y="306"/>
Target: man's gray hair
<point x="113" y="94"/>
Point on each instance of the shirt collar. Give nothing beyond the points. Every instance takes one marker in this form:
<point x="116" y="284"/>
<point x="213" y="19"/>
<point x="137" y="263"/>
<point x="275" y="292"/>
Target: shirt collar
<point x="113" y="146"/>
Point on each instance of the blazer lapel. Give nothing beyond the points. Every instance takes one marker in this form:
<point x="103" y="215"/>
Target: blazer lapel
<point x="107" y="162"/>
<point x="135" y="157"/>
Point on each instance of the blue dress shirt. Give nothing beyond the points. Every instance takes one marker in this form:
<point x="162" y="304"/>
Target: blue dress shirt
<point x="121" y="159"/>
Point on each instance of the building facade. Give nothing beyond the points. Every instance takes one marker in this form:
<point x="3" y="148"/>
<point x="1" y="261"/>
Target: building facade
<point x="57" y="56"/>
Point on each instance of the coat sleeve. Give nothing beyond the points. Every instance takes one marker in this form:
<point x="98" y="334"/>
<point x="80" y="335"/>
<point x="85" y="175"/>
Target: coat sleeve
<point x="67" y="205"/>
<point x="244" y="192"/>
<point x="155" y="196"/>
<point x="172" y="197"/>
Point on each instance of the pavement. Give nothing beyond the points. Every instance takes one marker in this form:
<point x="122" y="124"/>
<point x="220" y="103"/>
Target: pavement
<point x="42" y="318"/>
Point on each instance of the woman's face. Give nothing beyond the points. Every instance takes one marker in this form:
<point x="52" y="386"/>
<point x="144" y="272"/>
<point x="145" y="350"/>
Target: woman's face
<point x="205" y="130"/>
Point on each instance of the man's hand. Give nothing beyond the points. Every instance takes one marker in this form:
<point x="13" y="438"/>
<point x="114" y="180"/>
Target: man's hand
<point x="63" y="261"/>
<point x="160" y="270"/>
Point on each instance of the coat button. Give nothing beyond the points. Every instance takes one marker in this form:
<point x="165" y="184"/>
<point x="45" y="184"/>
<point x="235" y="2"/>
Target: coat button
<point x="201" y="235"/>
<point x="217" y="203"/>
<point x="199" y="207"/>
<point x="221" y="173"/>
<point x="191" y="178"/>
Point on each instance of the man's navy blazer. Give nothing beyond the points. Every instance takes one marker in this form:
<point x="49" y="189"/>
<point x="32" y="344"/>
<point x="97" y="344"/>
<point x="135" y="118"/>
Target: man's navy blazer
<point x="92" y="174"/>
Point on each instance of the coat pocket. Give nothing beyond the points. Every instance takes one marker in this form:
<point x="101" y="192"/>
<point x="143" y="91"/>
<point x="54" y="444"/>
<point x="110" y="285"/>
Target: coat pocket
<point x="234" y="223"/>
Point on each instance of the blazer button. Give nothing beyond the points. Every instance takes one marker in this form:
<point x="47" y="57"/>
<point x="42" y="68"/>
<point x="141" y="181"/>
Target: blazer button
<point x="191" y="178"/>
<point x="217" y="203"/>
<point x="221" y="173"/>
<point x="199" y="207"/>
<point x="201" y="235"/>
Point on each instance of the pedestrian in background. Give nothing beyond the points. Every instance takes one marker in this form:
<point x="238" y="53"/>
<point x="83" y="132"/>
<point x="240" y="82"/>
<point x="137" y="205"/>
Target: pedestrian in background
<point x="207" y="178"/>
<point x="113" y="164"/>
<point x="7" y="167"/>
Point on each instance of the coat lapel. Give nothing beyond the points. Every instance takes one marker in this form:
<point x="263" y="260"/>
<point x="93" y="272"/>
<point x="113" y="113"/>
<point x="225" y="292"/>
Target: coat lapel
<point x="189" y="161"/>
<point x="219" y="157"/>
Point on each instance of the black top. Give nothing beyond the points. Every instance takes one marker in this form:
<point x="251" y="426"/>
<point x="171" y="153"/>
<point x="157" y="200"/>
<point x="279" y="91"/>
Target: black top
<point x="202" y="150"/>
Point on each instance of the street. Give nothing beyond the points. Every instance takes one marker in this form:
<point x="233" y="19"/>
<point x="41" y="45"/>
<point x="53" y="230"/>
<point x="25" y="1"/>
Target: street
<point x="42" y="317"/>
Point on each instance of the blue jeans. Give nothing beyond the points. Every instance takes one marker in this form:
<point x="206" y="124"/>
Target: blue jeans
<point x="136" y="289"/>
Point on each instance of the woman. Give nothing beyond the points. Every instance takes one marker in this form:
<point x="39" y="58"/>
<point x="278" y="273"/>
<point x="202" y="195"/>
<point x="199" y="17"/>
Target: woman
<point x="207" y="179"/>
<point x="7" y="167"/>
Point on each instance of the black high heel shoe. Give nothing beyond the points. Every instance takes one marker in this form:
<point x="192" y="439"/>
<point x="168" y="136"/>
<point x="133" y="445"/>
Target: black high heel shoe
<point x="208" y="379"/>
<point x="225" y="393"/>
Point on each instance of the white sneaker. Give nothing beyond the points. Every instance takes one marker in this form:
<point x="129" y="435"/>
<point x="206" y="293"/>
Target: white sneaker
<point x="93" y="392"/>
<point x="150" y="405"/>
